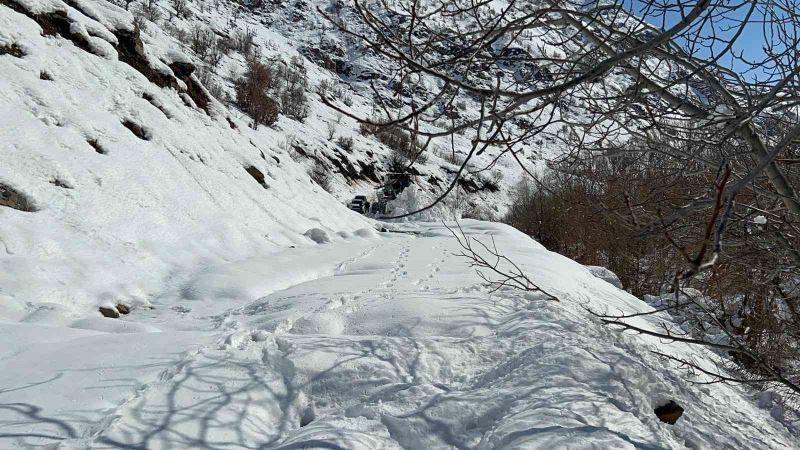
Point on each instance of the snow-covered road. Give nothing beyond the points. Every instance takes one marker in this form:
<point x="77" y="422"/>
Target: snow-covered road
<point x="384" y="341"/>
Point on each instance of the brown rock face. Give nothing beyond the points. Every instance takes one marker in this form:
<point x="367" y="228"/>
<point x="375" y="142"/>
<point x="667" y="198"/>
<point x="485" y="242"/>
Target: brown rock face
<point x="123" y="309"/>
<point x="109" y="312"/>
<point x="669" y="413"/>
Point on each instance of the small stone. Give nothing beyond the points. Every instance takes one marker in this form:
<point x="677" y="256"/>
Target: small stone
<point x="123" y="309"/>
<point x="109" y="312"/>
<point x="669" y="413"/>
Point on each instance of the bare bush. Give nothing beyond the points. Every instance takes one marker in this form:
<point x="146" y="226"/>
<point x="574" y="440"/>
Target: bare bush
<point x="345" y="142"/>
<point x="347" y="98"/>
<point x="290" y="87"/>
<point x="147" y="10"/>
<point x="243" y="41"/>
<point x="391" y="136"/>
<point x="321" y="175"/>
<point x="201" y="40"/>
<point x="214" y="88"/>
<point x="252" y="97"/>
<point x="331" y="129"/>
<point x="325" y="87"/>
<point x="180" y="8"/>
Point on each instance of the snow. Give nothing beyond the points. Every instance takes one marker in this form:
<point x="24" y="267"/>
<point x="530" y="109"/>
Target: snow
<point x="123" y="222"/>
<point x="386" y="341"/>
<point x="244" y="332"/>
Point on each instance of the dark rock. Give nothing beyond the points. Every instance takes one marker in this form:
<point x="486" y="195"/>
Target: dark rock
<point x="136" y="129"/>
<point x="96" y="146"/>
<point x="123" y="309"/>
<point x="109" y="312"/>
<point x="184" y="71"/>
<point x="15" y="199"/>
<point x="12" y="49"/>
<point x="669" y="413"/>
<point x="256" y="174"/>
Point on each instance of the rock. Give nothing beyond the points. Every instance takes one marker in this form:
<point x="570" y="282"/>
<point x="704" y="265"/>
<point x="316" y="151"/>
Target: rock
<point x="109" y="312"/>
<point x="669" y="413"/>
<point x="137" y="130"/>
<point x="123" y="309"/>
<point x="317" y="235"/>
<point x="14" y="199"/>
<point x="256" y="174"/>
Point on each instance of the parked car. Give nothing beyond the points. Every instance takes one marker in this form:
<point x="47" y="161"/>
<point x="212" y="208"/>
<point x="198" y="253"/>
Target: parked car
<point x="359" y="204"/>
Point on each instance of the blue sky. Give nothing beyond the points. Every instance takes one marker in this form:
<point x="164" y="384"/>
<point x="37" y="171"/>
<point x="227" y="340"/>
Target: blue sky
<point x="751" y="43"/>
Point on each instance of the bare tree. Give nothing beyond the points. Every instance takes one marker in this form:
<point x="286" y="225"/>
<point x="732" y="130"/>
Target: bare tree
<point x="610" y="86"/>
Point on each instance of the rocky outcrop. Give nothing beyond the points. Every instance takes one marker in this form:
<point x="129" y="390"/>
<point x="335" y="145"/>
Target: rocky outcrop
<point x="14" y="199"/>
<point x="669" y="413"/>
<point x="129" y="47"/>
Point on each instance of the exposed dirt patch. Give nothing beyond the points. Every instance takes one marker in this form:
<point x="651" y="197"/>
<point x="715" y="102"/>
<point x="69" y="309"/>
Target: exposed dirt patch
<point x="131" y="52"/>
<point x="109" y="312"/>
<point x="55" y="181"/>
<point x="96" y="146"/>
<point x="152" y="100"/>
<point x="137" y="130"/>
<point x="14" y="199"/>
<point x="54" y="23"/>
<point x="12" y="50"/>
<point x="469" y="185"/>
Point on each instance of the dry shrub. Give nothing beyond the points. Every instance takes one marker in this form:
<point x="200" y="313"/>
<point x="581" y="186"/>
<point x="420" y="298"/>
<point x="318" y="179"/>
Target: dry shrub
<point x="243" y="41"/>
<point x="201" y="40"/>
<point x="345" y="142"/>
<point x="321" y="175"/>
<point x="609" y="212"/>
<point x="181" y="8"/>
<point x="252" y="97"/>
<point x="563" y="212"/>
<point x="404" y="149"/>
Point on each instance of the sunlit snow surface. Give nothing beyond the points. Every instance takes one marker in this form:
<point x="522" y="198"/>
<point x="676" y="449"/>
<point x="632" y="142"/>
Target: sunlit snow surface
<point x="246" y="333"/>
<point x="377" y="342"/>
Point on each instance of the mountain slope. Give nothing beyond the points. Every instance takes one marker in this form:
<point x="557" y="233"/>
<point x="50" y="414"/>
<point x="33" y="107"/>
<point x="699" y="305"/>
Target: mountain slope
<point x="262" y="313"/>
<point x="128" y="180"/>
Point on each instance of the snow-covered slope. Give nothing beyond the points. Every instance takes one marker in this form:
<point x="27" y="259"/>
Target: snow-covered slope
<point x="380" y="342"/>
<point x="126" y="173"/>
<point x="263" y="313"/>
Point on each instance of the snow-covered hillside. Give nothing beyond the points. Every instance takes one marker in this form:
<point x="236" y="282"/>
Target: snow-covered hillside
<point x="258" y="311"/>
<point x="124" y="181"/>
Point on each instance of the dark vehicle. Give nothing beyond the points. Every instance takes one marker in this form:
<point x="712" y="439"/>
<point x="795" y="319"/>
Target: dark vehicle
<point x="359" y="204"/>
